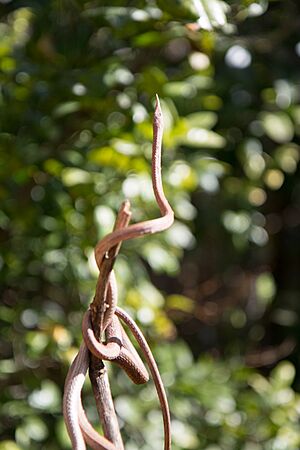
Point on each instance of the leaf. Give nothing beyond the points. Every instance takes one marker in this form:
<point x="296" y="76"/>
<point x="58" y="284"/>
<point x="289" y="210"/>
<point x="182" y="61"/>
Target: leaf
<point x="178" y="9"/>
<point x="47" y="398"/>
<point x="200" y="81"/>
<point x="295" y="110"/>
<point x="125" y="147"/>
<point x="288" y="156"/>
<point x="205" y="119"/>
<point x="211" y="13"/>
<point x="180" y="302"/>
<point x="278" y="126"/>
<point x="9" y="445"/>
<point x="72" y="176"/>
<point x="200" y="137"/>
<point x="66" y="108"/>
<point x="151" y="39"/>
<point x="35" y="428"/>
<point x="107" y="156"/>
<point x="265" y="288"/>
<point x="180" y="89"/>
<point x="160" y="259"/>
<point x="283" y="374"/>
<point x="180" y="236"/>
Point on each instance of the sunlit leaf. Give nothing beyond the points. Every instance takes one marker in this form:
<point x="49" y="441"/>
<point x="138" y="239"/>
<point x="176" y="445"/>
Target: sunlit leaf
<point x="200" y="137"/>
<point x="66" y="108"/>
<point x="180" y="89"/>
<point x="72" y="176"/>
<point x="181" y="303"/>
<point x="265" y="287"/>
<point x="9" y="445"/>
<point x="205" y="119"/>
<point x="46" y="398"/>
<point x="211" y="13"/>
<point x="284" y="374"/>
<point x="160" y="259"/>
<point x="278" y="126"/>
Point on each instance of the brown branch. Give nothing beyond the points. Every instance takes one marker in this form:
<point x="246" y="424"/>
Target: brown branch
<point x="101" y="312"/>
<point x="104" y="403"/>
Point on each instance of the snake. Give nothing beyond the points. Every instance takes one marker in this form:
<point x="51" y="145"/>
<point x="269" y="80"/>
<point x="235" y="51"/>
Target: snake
<point x="118" y="347"/>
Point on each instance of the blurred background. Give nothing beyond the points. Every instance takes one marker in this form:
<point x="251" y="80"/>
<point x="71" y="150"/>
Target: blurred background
<point x="217" y="295"/>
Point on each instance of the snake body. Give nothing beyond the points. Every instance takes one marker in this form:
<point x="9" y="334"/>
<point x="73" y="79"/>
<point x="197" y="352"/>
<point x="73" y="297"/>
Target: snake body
<point x="78" y="424"/>
<point x="118" y="347"/>
<point x="148" y="226"/>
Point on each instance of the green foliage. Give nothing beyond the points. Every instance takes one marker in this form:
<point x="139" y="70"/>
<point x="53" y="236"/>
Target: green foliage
<point x="215" y="405"/>
<point x="77" y="93"/>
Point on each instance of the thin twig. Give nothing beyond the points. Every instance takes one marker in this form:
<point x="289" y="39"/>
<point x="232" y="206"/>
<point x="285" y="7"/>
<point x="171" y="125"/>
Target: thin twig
<point x="104" y="403"/>
<point x="99" y="309"/>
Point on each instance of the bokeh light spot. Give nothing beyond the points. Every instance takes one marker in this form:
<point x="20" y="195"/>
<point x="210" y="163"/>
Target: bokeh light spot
<point x="257" y="196"/>
<point x="274" y="179"/>
<point x="238" y="57"/>
<point x="79" y="89"/>
<point x="199" y="61"/>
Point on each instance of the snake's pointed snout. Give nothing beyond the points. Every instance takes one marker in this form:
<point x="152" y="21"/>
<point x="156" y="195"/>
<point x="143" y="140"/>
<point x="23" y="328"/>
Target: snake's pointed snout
<point x="158" y="117"/>
<point x="157" y="104"/>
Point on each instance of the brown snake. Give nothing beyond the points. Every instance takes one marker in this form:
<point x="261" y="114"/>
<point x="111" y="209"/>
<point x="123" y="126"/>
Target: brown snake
<point x="118" y="347"/>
